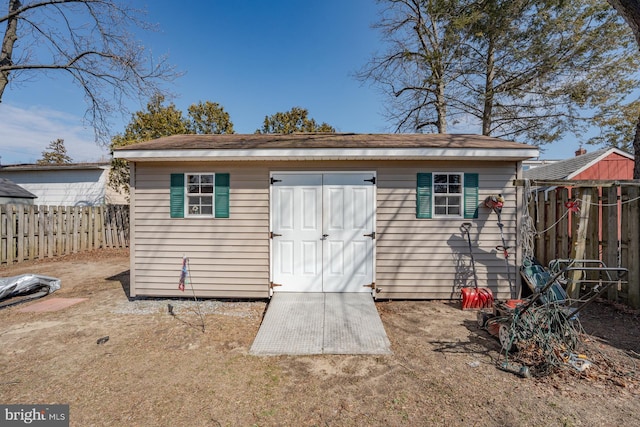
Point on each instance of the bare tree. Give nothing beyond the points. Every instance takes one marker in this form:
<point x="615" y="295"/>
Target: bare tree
<point x="531" y="70"/>
<point x="91" y="41"/>
<point x="420" y="64"/>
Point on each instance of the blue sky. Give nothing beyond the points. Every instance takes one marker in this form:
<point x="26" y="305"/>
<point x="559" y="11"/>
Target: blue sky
<point x="254" y="58"/>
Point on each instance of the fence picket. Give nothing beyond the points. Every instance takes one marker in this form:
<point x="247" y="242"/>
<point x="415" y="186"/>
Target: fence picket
<point x="108" y="237"/>
<point x="31" y="231"/>
<point x="610" y="237"/>
<point x="20" y="231"/>
<point x="41" y="224"/>
<point x="563" y="238"/>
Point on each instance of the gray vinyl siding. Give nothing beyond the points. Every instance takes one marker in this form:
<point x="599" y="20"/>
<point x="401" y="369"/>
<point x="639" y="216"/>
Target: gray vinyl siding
<point x="229" y="257"/>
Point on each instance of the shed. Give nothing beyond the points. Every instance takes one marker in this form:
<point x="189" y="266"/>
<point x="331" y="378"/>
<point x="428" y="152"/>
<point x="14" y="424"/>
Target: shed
<point x="12" y="193"/>
<point x="72" y="184"/>
<point x="320" y="212"/>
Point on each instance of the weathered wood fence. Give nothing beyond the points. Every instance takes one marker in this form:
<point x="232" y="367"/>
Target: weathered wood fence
<point x="603" y="225"/>
<point x="38" y="232"/>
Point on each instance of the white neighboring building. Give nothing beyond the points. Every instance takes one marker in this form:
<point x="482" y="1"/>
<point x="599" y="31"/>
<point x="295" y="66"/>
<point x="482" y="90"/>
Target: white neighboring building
<point x="74" y="184"/>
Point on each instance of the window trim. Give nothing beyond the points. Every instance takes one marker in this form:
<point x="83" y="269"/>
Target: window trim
<point x="434" y="215"/>
<point x="187" y="211"/>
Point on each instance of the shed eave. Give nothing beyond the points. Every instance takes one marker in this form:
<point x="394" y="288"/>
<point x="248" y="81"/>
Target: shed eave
<point x="328" y="154"/>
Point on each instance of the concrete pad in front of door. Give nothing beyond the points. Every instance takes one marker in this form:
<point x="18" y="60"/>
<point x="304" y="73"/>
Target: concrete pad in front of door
<point x="321" y="323"/>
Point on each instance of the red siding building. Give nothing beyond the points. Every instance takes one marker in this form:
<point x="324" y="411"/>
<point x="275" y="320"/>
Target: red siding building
<point x="608" y="163"/>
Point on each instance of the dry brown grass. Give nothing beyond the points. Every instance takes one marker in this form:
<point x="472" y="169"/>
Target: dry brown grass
<point x="160" y="370"/>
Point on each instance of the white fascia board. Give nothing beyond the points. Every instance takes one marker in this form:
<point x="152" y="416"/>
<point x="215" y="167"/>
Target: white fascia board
<point x="329" y="154"/>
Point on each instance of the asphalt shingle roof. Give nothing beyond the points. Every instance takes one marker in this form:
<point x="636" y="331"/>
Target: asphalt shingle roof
<point x="323" y="140"/>
<point x="63" y="166"/>
<point x="11" y="189"/>
<point x="564" y="168"/>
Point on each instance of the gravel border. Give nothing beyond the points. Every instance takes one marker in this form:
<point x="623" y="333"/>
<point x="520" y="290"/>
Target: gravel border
<point x="183" y="306"/>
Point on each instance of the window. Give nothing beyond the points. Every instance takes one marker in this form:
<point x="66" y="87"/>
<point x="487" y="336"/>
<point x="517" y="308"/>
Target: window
<point x="200" y="194"/>
<point x="203" y="195"/>
<point x="447" y="195"/>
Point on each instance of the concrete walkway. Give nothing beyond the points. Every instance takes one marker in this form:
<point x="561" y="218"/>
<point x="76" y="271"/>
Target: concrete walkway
<point x="321" y="323"/>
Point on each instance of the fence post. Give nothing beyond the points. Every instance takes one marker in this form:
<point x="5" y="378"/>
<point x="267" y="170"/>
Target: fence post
<point x="580" y="240"/>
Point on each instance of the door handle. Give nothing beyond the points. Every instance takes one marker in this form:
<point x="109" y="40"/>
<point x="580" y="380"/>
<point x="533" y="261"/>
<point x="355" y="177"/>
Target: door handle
<point x="324" y="236"/>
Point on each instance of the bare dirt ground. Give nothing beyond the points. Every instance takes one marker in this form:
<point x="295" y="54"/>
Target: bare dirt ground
<point x="163" y="370"/>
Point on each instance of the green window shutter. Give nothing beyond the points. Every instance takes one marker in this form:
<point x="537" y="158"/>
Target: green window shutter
<point x="222" y="195"/>
<point x="176" y="195"/>
<point x="423" y="196"/>
<point x="471" y="195"/>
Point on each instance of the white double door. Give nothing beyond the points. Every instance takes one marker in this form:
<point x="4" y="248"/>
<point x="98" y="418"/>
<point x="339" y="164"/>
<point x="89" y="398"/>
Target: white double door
<point x="322" y="225"/>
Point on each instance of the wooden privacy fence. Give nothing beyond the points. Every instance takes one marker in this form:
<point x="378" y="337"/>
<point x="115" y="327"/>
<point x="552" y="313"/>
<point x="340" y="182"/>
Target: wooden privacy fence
<point x="38" y="232"/>
<point x="591" y="220"/>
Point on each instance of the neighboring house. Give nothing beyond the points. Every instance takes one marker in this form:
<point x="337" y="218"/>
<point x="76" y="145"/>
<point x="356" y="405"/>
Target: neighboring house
<point x="256" y="214"/>
<point x="74" y="184"/>
<point x="608" y="163"/>
<point x="12" y="193"/>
